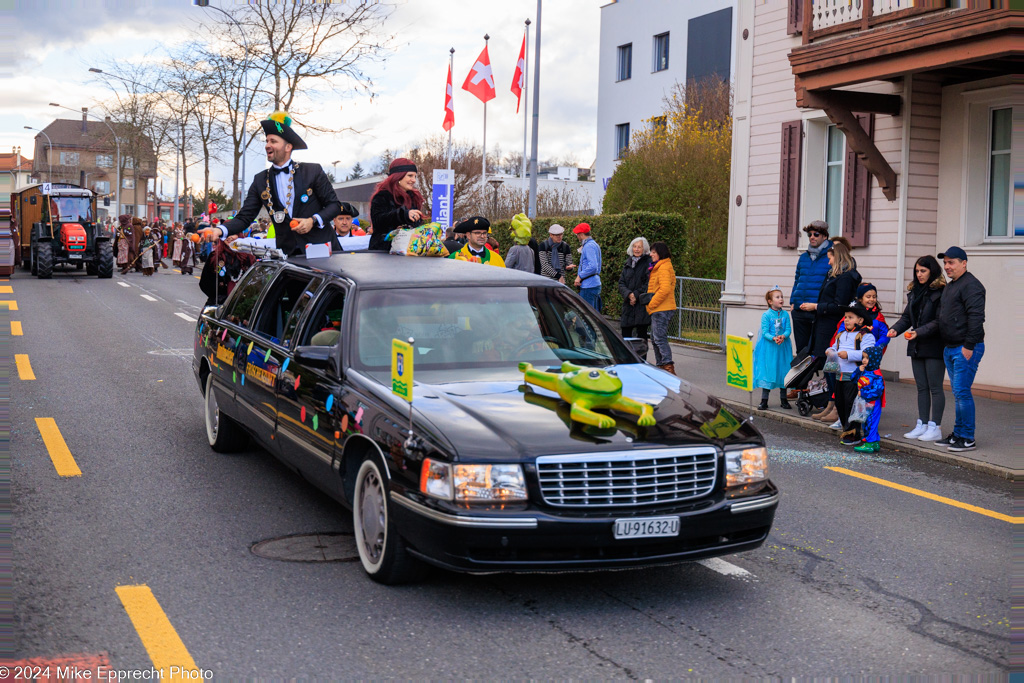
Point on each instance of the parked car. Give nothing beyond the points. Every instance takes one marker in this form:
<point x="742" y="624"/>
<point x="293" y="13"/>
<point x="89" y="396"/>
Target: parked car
<point x="496" y="475"/>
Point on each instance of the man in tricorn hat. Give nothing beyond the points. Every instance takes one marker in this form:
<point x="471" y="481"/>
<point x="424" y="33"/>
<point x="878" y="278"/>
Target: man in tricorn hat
<point x="289" y="190"/>
<point x="343" y="221"/>
<point x="475" y="249"/>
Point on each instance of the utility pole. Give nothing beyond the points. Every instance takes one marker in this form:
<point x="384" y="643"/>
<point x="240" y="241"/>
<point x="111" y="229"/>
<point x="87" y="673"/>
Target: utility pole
<point x="536" y="116"/>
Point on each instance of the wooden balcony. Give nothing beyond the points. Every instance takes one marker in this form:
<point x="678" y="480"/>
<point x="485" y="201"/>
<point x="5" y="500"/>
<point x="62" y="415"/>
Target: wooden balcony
<point x="829" y="17"/>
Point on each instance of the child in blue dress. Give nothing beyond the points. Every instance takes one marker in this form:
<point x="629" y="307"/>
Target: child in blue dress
<point x="773" y="352"/>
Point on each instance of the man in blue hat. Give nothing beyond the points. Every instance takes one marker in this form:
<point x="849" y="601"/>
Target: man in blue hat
<point x="961" y="324"/>
<point x="288" y="190"/>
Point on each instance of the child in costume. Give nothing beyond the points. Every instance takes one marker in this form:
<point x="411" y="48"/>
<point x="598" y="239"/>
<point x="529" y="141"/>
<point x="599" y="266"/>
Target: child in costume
<point x="872" y="389"/>
<point x="146" y="249"/>
<point x="867" y="296"/>
<point x="773" y="352"/>
<point x="848" y="349"/>
<point x="520" y="256"/>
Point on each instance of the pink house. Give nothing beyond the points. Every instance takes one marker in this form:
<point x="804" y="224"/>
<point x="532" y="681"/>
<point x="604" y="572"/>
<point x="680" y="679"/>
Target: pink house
<point x="901" y="123"/>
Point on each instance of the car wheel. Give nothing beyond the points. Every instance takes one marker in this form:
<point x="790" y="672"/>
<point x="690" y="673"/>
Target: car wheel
<point x="381" y="550"/>
<point x="104" y="266"/>
<point x="224" y="435"/>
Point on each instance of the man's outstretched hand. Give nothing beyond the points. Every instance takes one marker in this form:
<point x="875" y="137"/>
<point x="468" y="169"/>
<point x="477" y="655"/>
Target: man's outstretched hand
<point x="210" y="234"/>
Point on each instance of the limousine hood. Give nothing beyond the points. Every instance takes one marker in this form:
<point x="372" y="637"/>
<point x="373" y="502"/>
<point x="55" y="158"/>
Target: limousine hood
<point x="491" y="417"/>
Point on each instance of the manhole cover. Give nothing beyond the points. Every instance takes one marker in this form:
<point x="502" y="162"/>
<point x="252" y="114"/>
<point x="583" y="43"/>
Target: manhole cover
<point x="324" y="547"/>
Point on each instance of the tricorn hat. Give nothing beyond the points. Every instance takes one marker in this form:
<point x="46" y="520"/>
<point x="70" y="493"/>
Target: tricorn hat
<point x="348" y="210"/>
<point x="471" y="224"/>
<point x="280" y="123"/>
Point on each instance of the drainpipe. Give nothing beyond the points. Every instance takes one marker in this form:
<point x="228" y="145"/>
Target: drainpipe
<point x="904" y="182"/>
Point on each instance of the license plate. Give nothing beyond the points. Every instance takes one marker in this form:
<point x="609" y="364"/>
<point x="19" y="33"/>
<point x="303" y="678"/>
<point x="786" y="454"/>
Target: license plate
<point x="74" y="256"/>
<point x="646" y="527"/>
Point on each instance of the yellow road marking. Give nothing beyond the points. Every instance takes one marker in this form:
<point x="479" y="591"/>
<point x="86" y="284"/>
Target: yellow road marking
<point x="61" y="456"/>
<point x="11" y="305"/>
<point x="930" y="496"/>
<point x="24" y="366"/>
<point x="156" y="632"/>
<point x="16" y="328"/>
<point x="6" y="289"/>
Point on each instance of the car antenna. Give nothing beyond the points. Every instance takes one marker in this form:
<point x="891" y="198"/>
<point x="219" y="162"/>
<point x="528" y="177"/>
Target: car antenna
<point x="411" y="444"/>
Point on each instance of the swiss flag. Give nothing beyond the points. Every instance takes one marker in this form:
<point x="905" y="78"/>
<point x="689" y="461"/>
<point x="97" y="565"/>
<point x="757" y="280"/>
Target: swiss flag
<point x="449" y="104"/>
<point x="519" y="77"/>
<point x="480" y="81"/>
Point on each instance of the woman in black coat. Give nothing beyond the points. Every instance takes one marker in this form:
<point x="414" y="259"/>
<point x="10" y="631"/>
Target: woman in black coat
<point x="395" y="203"/>
<point x="838" y="290"/>
<point x="925" y="346"/>
<point x="635" y="320"/>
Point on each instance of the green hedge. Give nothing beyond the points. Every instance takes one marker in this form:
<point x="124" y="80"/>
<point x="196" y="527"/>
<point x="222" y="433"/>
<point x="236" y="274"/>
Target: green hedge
<point x="614" y="232"/>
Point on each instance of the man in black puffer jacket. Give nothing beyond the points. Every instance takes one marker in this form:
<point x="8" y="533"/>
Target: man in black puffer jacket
<point x="961" y="323"/>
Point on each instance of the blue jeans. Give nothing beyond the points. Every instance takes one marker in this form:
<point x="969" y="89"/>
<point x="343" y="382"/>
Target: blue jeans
<point x="659" y="336"/>
<point x="592" y="295"/>
<point x="961" y="377"/>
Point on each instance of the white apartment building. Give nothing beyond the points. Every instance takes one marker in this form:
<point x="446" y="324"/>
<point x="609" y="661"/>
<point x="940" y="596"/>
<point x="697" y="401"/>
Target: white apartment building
<point x="647" y="46"/>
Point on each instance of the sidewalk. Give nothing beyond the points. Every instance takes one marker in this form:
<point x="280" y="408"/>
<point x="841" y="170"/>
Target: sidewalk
<point x="998" y="422"/>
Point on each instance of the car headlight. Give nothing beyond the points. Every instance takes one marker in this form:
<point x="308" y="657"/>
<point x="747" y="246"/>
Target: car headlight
<point x="746" y="466"/>
<point x="473" y="483"/>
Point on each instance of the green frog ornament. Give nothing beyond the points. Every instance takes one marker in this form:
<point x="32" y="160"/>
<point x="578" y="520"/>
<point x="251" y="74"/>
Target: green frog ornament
<point x="587" y="388"/>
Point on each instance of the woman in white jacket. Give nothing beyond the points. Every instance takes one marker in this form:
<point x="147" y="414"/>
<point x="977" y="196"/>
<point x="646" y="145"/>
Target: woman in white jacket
<point x="848" y="349"/>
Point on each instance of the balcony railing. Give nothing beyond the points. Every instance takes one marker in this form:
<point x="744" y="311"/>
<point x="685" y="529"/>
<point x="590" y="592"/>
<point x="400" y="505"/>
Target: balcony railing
<point x="828" y="17"/>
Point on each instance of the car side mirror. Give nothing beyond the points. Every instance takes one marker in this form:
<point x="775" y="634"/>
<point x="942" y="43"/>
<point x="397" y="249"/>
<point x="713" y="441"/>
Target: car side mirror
<point x="321" y="357"/>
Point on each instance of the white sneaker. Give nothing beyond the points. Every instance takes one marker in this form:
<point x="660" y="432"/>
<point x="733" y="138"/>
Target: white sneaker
<point x="837" y="425"/>
<point x="917" y="431"/>
<point x="932" y="433"/>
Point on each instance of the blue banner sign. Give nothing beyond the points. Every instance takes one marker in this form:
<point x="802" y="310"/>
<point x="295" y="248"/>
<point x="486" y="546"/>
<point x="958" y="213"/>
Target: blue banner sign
<point x="441" y="197"/>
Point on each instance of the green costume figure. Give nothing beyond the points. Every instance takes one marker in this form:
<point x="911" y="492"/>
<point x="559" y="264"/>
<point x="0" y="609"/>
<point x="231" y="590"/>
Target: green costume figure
<point x="585" y="389"/>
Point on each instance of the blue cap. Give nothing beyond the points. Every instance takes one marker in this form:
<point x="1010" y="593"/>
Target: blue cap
<point x="954" y="252"/>
<point x="865" y="288"/>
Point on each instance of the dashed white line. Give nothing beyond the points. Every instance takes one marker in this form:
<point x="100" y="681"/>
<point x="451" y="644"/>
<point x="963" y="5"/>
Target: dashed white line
<point x="185" y="316"/>
<point x="124" y="284"/>
<point x="719" y="565"/>
<point x="147" y="297"/>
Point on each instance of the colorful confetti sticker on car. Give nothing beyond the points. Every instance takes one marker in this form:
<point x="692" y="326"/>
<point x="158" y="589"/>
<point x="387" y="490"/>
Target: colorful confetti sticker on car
<point x="302" y="414"/>
<point x="266" y="358"/>
<point x="243" y="380"/>
<point x="297" y="378"/>
<point x="316" y="422"/>
<point x="234" y="376"/>
<point x="249" y="350"/>
<point x="344" y="423"/>
<point x="238" y="341"/>
<point x="224" y="334"/>
<point x="284" y="368"/>
<point x="330" y="403"/>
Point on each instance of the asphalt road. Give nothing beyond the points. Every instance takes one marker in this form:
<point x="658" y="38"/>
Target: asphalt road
<point x="857" y="578"/>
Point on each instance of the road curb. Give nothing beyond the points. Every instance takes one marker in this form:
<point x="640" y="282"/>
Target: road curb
<point x="891" y="444"/>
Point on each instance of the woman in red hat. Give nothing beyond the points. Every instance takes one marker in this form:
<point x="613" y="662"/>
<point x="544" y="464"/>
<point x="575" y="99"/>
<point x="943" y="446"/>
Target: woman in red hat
<point x="395" y="203"/>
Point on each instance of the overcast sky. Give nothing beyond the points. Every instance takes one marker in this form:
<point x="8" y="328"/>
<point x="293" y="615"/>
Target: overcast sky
<point x="54" y="42"/>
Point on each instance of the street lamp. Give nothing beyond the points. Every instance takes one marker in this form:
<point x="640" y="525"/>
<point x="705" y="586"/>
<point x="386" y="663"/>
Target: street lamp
<point x="335" y="172"/>
<point x="116" y="142"/>
<point x="495" y="183"/>
<point x="49" y="164"/>
<point x="245" y="87"/>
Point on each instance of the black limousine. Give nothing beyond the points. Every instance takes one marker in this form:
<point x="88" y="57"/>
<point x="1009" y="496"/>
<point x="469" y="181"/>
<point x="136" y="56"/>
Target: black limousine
<point x="496" y="474"/>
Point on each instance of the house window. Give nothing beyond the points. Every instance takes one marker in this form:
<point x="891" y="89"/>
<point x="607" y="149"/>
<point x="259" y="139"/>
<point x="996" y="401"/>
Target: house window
<point x="101" y="187"/>
<point x="104" y="161"/>
<point x="835" y="155"/>
<point x="69" y="158"/>
<point x="129" y="162"/>
<point x="659" y="124"/>
<point x="661" y="52"/>
<point x="128" y="183"/>
<point x="621" y="139"/>
<point x="625" y="70"/>
<point x="1000" y="173"/>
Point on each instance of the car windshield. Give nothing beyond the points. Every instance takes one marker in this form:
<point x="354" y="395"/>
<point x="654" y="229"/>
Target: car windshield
<point x="71" y="209"/>
<point x="483" y="327"/>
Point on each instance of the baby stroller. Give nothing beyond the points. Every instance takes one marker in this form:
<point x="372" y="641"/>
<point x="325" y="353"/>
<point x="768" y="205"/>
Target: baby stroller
<point x="805" y="378"/>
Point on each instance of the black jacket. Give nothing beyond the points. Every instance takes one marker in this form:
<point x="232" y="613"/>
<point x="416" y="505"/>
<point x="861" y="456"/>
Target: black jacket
<point x="922" y="307"/>
<point x="836" y="292"/>
<point x="961" y="317"/>
<point x="634" y="281"/>
<point x="386" y="215"/>
<point x="310" y="182"/>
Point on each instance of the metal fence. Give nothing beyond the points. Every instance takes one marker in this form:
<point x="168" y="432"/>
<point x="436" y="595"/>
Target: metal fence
<point x="700" y="315"/>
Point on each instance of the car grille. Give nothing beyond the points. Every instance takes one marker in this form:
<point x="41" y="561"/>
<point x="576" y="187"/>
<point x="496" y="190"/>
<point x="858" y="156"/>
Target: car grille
<point x="628" y="478"/>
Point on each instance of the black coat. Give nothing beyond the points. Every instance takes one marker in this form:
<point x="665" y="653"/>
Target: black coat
<point x="386" y="215"/>
<point x="922" y="308"/>
<point x="634" y="281"/>
<point x="311" y="182"/>
<point x="835" y="294"/>
<point x="961" y="316"/>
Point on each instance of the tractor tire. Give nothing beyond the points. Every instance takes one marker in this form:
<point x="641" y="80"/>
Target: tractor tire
<point x="105" y="260"/>
<point x="32" y="259"/>
<point x="44" y="260"/>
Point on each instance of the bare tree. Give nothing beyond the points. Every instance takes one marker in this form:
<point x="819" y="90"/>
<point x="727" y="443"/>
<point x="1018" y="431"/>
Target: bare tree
<point x="306" y="46"/>
<point x="432" y="153"/>
<point x="708" y="98"/>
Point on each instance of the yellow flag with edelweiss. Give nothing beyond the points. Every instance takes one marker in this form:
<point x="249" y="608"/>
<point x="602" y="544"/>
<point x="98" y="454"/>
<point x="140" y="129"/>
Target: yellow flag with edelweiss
<point x="739" y="362"/>
<point x="401" y="369"/>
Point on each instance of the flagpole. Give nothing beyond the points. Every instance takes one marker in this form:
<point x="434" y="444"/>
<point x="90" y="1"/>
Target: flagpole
<point x="526" y="98"/>
<point x="536" y="116"/>
<point x="451" y="71"/>
<point x="483" y="176"/>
